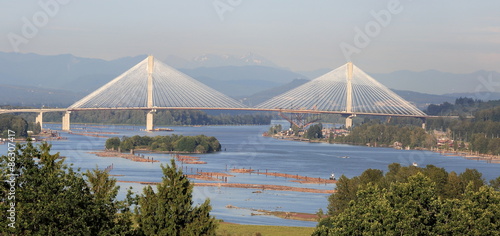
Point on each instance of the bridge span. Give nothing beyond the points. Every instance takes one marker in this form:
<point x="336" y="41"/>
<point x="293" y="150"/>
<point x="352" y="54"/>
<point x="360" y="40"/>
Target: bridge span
<point x="151" y="85"/>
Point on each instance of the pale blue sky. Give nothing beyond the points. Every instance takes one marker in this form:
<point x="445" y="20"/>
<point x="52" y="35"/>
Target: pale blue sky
<point x="453" y="36"/>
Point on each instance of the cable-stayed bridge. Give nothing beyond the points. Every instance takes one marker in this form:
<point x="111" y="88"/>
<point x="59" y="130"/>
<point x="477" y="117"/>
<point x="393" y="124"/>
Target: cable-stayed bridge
<point x="151" y="85"/>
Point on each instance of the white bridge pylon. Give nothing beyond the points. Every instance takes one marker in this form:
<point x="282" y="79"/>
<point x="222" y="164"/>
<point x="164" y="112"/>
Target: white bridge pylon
<point x="152" y="84"/>
<point x="346" y="89"/>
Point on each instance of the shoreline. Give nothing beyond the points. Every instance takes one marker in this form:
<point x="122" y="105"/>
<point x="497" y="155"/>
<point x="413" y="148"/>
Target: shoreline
<point x="281" y="214"/>
<point x="262" y="187"/>
<point x="131" y="157"/>
<point x="298" y="178"/>
<point x="488" y="158"/>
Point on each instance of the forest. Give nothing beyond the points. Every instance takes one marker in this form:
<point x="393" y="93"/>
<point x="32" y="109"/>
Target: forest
<point x="384" y="135"/>
<point x="477" y="124"/>
<point x="17" y="124"/>
<point x="413" y="200"/>
<point x="175" y="143"/>
<point x="162" y="117"/>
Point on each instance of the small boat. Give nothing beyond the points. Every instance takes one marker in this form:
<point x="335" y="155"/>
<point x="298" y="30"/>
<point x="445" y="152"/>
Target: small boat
<point x="345" y="157"/>
<point x="414" y="164"/>
<point x="332" y="176"/>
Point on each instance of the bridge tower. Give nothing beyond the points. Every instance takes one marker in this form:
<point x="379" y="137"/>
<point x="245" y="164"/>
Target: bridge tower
<point x="39" y="119"/>
<point x="66" y="121"/>
<point x="348" y="119"/>
<point x="150" y="114"/>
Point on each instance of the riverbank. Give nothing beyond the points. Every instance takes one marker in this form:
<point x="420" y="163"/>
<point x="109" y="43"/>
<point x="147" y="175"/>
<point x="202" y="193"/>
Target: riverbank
<point x="466" y="155"/>
<point x="131" y="157"/>
<point x="227" y="228"/>
<point x="262" y="187"/>
<point x="298" y="178"/>
<point x="282" y="214"/>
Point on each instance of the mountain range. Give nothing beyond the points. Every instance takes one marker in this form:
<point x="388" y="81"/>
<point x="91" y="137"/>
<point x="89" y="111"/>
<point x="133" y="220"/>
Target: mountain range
<point x="60" y="80"/>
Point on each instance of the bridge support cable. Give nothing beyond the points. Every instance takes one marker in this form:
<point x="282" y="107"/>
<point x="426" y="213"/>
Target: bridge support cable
<point x="346" y="90"/>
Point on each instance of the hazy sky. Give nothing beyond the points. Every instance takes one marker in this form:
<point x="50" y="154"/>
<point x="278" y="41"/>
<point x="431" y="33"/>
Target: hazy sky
<point x="452" y="36"/>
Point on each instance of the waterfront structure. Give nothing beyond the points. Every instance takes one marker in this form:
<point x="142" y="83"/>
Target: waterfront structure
<point x="151" y="85"/>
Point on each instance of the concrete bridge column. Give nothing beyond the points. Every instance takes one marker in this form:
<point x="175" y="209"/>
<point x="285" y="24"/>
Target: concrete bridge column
<point x="348" y="122"/>
<point x="39" y="119"/>
<point x="66" y="121"/>
<point x="149" y="120"/>
<point x="423" y="123"/>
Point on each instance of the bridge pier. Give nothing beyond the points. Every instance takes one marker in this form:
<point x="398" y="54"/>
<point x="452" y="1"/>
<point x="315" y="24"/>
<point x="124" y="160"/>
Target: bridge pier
<point x="66" y="121"/>
<point x="149" y="120"/>
<point x="39" y="120"/>
<point x="348" y="120"/>
<point x="423" y="123"/>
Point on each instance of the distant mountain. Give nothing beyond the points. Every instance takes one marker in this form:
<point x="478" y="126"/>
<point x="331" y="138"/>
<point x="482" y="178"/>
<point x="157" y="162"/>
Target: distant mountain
<point x="212" y="60"/>
<point x="240" y="81"/>
<point x="61" y="71"/>
<point x="313" y="74"/>
<point x="436" y="82"/>
<point x="250" y="76"/>
<point x="421" y="100"/>
<point x="481" y="95"/>
<point x="262" y="96"/>
<point x="36" y="97"/>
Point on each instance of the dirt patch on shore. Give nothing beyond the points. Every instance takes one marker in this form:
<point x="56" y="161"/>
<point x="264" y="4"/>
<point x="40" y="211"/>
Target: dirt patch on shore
<point x="189" y="159"/>
<point x="123" y="155"/>
<point x="211" y="176"/>
<point x="297" y="178"/>
<point x="282" y="214"/>
<point x="262" y="187"/>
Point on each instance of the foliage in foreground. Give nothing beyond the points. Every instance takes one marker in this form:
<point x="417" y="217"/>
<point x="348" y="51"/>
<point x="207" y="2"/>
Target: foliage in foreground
<point x="411" y="200"/>
<point x="170" y="210"/>
<point x="50" y="198"/>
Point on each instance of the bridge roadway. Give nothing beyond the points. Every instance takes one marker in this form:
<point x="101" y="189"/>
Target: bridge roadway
<point x="149" y="125"/>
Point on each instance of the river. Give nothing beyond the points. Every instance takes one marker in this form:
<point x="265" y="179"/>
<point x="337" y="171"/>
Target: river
<point x="244" y="147"/>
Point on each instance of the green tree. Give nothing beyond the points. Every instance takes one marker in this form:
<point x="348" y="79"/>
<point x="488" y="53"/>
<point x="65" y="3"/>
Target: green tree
<point x="170" y="210"/>
<point x="471" y="176"/>
<point x="51" y="198"/>
<point x="113" y="143"/>
<point x="186" y="144"/>
<point x="315" y="131"/>
<point x="403" y="209"/>
<point x="495" y="183"/>
<point x="346" y="192"/>
<point x="478" y="213"/>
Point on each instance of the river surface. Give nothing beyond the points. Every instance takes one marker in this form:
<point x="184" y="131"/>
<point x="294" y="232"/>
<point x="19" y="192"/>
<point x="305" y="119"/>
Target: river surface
<point x="244" y="147"/>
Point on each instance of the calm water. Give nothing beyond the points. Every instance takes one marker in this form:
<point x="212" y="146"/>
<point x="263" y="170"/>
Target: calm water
<point x="246" y="148"/>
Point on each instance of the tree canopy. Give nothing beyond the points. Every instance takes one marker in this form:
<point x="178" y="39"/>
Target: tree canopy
<point x="412" y="200"/>
<point x="170" y="210"/>
<point x="47" y="197"/>
<point x="178" y="143"/>
<point x="50" y="198"/>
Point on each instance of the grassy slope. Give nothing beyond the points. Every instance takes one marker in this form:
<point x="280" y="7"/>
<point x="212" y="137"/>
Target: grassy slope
<point x="250" y="230"/>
